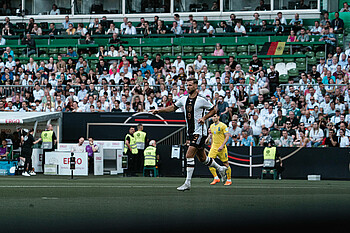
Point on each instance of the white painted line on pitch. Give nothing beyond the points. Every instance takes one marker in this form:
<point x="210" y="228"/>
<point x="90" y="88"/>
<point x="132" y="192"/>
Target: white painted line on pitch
<point x="168" y="186"/>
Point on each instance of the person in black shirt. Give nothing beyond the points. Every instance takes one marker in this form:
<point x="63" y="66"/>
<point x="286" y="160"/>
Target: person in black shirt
<point x="27" y="40"/>
<point x="232" y="63"/>
<point x="332" y="139"/>
<point x="256" y="65"/>
<point x="158" y="62"/>
<point x="116" y="106"/>
<point x="27" y="142"/>
<point x="273" y="79"/>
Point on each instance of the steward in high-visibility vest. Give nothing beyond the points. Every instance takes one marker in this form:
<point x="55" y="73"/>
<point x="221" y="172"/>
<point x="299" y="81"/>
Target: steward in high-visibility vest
<point x="130" y="149"/>
<point x="150" y="156"/>
<point x="132" y="143"/>
<point x="47" y="140"/>
<point x="269" y="156"/>
<point x="140" y="138"/>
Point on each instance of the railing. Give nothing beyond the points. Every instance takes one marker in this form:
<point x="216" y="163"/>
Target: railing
<point x="176" y="138"/>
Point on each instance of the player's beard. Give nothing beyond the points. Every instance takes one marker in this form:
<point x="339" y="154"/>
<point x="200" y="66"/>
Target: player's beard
<point x="191" y="92"/>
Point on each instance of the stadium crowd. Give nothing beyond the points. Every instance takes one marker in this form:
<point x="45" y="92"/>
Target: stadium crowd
<point x="309" y="111"/>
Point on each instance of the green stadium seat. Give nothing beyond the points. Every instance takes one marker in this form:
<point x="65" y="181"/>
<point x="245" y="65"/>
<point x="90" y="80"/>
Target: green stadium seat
<point x="283" y="78"/>
<point x="320" y="54"/>
<point x="242" y="48"/>
<point x="230" y="49"/>
<point x="301" y="66"/>
<point x="310" y="54"/>
<point x="293" y="72"/>
<point x="187" y="49"/>
<point x="177" y="49"/>
<point x="275" y="134"/>
<point x="166" y="49"/>
<point x="209" y="49"/>
<point x="156" y="49"/>
<point x="312" y="61"/>
<point x="146" y="50"/>
<point x="198" y="49"/>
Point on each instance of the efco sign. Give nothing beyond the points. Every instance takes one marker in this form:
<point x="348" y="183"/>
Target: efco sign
<point x="62" y="159"/>
<point x="11" y="121"/>
<point x="78" y="161"/>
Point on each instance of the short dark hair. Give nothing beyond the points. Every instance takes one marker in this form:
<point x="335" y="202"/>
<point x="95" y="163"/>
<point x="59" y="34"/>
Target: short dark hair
<point x="194" y="80"/>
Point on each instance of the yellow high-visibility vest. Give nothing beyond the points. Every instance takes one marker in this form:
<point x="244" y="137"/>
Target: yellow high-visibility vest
<point x="132" y="144"/>
<point x="150" y="156"/>
<point x="46" y="137"/>
<point x="269" y="156"/>
<point x="140" y="138"/>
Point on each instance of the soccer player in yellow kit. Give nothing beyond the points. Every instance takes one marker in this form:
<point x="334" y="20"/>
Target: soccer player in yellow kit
<point x="219" y="135"/>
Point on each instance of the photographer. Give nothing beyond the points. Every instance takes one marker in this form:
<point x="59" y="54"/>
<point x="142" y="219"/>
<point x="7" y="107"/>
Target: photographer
<point x="28" y="141"/>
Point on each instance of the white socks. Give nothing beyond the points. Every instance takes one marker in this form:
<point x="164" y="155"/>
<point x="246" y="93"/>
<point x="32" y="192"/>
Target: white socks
<point x="211" y="163"/>
<point x="190" y="166"/>
<point x="189" y="169"/>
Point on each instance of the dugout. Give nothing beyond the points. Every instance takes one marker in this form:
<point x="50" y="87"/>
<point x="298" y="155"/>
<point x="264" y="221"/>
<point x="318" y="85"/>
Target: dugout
<point x="36" y="120"/>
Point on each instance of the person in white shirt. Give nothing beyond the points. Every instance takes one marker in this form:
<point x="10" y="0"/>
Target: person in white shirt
<point x="343" y="139"/>
<point x="208" y="28"/>
<point x="128" y="108"/>
<point x="38" y="93"/>
<point x="112" y="29"/>
<point x="316" y="135"/>
<point x="123" y="25"/>
<point x="179" y="63"/>
<point x="112" y="52"/>
<point x="10" y="107"/>
<point x="10" y="63"/>
<point x="281" y="18"/>
<point x="256" y="125"/>
<point x="79" y="147"/>
<point x="71" y="96"/>
<point x="150" y="104"/>
<point x="204" y="91"/>
<point x="269" y="118"/>
<point x="317" y="29"/>
<point x="2" y="40"/>
<point x="179" y="21"/>
<point x="239" y="28"/>
<point x="130" y="30"/>
<point x="199" y="63"/>
<point x="55" y="10"/>
<point x="307" y="119"/>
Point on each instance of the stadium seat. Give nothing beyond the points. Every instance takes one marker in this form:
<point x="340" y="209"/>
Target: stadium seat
<point x="271" y="171"/>
<point x="281" y="68"/>
<point x="283" y="78"/>
<point x="198" y="49"/>
<point x="187" y="49"/>
<point x="242" y="48"/>
<point x="301" y="66"/>
<point x="293" y="72"/>
<point x="209" y="49"/>
<point x="154" y="169"/>
<point x="291" y="65"/>
<point x="166" y="49"/>
<point x="320" y="54"/>
<point x="310" y="54"/>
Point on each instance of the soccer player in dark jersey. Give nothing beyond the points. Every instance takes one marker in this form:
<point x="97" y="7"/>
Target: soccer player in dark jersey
<point x="194" y="107"/>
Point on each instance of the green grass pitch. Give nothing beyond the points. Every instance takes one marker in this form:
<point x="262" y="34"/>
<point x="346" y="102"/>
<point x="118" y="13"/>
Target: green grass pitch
<point x="145" y="204"/>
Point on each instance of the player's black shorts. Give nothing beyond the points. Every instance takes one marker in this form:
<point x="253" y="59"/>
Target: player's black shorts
<point x="197" y="141"/>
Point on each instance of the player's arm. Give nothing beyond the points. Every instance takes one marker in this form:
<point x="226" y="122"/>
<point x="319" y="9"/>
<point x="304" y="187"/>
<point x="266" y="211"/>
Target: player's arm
<point x="211" y="113"/>
<point x="227" y="136"/>
<point x="208" y="139"/>
<point x="170" y="108"/>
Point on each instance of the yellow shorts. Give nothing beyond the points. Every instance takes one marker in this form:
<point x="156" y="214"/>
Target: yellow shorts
<point x="223" y="155"/>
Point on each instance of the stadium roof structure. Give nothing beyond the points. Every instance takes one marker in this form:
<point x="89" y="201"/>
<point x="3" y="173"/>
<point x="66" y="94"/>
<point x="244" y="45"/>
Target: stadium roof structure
<point x="27" y="117"/>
